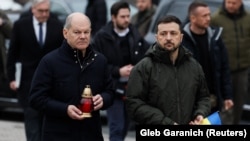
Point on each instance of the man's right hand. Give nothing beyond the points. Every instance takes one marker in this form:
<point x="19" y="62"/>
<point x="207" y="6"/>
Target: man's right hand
<point x="125" y="70"/>
<point x="13" y="85"/>
<point x="74" y="112"/>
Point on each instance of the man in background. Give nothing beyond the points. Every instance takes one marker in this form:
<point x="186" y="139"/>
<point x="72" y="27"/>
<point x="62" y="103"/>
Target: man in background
<point x="143" y="17"/>
<point x="123" y="46"/>
<point x="235" y="22"/>
<point x="208" y="49"/>
<point x="5" y="33"/>
<point x="32" y="38"/>
<point x="96" y="10"/>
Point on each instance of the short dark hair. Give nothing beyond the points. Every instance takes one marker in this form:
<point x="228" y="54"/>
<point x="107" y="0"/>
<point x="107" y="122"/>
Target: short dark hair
<point x="117" y="6"/>
<point x="194" y="5"/>
<point x="169" y="19"/>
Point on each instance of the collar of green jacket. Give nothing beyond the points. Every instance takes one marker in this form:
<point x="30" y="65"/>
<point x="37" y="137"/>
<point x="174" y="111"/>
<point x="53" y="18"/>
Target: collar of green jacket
<point x="160" y="55"/>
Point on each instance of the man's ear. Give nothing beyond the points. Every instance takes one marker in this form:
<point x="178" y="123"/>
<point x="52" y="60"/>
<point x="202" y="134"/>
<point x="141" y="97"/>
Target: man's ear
<point x="65" y="32"/>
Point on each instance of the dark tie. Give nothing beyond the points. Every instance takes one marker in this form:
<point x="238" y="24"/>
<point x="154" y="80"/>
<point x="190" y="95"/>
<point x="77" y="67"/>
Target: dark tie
<point x="40" y="34"/>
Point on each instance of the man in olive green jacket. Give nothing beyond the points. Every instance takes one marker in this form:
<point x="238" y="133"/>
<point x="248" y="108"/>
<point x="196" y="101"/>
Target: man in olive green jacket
<point x="143" y="17"/>
<point x="236" y="35"/>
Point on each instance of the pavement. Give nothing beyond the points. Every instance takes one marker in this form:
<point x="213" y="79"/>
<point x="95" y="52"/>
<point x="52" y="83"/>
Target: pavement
<point x="14" y="131"/>
<point x="12" y="128"/>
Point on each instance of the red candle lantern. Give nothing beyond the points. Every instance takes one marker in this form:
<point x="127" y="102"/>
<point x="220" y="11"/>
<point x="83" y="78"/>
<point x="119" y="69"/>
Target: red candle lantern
<point x="86" y="105"/>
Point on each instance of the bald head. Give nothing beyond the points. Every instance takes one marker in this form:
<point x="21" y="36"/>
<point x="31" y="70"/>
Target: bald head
<point x="75" y="18"/>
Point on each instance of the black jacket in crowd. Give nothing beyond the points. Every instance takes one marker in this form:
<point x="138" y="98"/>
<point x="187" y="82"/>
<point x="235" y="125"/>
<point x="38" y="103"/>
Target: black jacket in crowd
<point x="105" y="42"/>
<point x="221" y="77"/>
<point x="24" y="48"/>
<point x="97" y="11"/>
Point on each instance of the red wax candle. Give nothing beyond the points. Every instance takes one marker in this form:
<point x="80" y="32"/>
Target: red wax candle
<point x="86" y="105"/>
